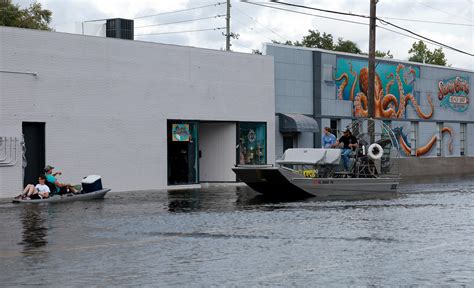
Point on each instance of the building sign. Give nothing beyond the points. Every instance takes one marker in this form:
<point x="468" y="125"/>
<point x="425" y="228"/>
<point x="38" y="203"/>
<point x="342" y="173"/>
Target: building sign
<point x="180" y="132"/>
<point x="454" y="93"/>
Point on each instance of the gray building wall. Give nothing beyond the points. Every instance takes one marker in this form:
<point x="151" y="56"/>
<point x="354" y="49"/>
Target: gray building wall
<point x="293" y="89"/>
<point x="326" y="106"/>
<point x="106" y="102"/>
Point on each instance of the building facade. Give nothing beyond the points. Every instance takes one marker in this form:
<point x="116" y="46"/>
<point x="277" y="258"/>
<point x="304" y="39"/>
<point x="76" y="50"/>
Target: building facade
<point x="427" y="106"/>
<point x="142" y="115"/>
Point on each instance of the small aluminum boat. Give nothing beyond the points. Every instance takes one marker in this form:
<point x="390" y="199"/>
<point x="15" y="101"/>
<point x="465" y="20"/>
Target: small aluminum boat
<point x="99" y="194"/>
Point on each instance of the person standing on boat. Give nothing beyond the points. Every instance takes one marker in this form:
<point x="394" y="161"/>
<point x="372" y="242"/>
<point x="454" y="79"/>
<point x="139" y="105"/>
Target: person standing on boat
<point x="60" y="188"/>
<point x="349" y="142"/>
<point x="328" y="138"/>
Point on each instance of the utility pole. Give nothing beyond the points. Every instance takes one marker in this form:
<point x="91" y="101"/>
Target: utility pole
<point x="227" y="24"/>
<point x="371" y="88"/>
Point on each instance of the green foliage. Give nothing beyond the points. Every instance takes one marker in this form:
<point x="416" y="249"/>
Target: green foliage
<point x="382" y="54"/>
<point x="33" y="17"/>
<point x="419" y="52"/>
<point x="347" y="46"/>
<point x="317" y="40"/>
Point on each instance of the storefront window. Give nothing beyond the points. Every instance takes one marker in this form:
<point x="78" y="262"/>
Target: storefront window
<point x="182" y="153"/>
<point x="252" y="146"/>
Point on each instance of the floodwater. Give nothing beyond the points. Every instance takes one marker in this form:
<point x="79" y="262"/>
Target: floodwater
<point x="234" y="237"/>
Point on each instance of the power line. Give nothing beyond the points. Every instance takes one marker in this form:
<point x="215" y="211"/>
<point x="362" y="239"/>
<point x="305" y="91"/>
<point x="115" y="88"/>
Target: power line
<point x="255" y="20"/>
<point x="322" y="10"/>
<point x="177" y="11"/>
<point x="186" y="31"/>
<point x="309" y="14"/>
<point x="363" y="16"/>
<point x="183" y="21"/>
<point x="249" y="27"/>
<point x="426" y="21"/>
<point x="406" y="35"/>
<point x="426" y="38"/>
<point x="447" y="13"/>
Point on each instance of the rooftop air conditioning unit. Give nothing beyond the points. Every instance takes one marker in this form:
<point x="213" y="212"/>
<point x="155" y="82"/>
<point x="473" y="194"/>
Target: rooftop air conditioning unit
<point x="119" y="28"/>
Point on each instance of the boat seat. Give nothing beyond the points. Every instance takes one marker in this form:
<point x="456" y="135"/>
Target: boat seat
<point x="353" y="158"/>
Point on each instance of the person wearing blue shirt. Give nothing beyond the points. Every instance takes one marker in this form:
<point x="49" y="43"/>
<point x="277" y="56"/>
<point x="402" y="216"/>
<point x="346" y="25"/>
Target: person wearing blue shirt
<point x="59" y="188"/>
<point x="328" y="139"/>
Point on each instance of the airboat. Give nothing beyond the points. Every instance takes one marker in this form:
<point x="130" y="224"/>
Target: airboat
<point x="306" y="172"/>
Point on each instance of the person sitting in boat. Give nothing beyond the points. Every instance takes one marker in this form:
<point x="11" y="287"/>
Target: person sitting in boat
<point x="40" y="191"/>
<point x="328" y="138"/>
<point x="349" y="142"/>
<point x="57" y="187"/>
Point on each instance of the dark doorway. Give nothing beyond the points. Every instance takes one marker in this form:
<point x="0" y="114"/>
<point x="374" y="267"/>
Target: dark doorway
<point x="33" y="133"/>
<point x="182" y="153"/>
<point x="288" y="142"/>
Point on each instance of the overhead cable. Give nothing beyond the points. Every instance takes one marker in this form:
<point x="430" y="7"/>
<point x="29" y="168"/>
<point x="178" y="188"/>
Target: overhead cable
<point x="177" y="11"/>
<point x="426" y="38"/>
<point x="427" y="21"/>
<point x="187" y="31"/>
<point x="250" y="27"/>
<point x="256" y="21"/>
<point x="363" y="16"/>
<point x="322" y="10"/>
<point x="183" y="21"/>
<point x="440" y="10"/>
<point x="309" y="14"/>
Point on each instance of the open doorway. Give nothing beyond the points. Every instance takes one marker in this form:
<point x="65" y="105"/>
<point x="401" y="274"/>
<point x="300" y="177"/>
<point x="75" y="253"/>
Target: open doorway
<point x="182" y="153"/>
<point x="34" y="137"/>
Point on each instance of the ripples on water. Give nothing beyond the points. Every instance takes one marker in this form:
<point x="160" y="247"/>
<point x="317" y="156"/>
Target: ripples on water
<point x="234" y="237"/>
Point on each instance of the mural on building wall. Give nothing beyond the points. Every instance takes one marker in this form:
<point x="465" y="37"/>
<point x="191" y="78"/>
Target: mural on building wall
<point x="406" y="145"/>
<point x="390" y="100"/>
<point x="454" y="93"/>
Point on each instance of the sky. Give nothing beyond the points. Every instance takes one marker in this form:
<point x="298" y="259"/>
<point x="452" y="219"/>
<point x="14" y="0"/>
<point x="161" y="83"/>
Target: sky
<point x="256" y="25"/>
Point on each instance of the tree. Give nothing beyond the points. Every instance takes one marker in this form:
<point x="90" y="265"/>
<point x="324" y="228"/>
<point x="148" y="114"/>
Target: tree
<point x="287" y="42"/>
<point x="33" y="17"/>
<point x="317" y="40"/>
<point x="347" y="46"/>
<point x="419" y="52"/>
<point x="382" y="54"/>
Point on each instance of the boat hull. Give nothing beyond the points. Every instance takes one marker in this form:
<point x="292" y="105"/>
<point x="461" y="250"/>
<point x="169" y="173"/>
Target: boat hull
<point x="67" y="198"/>
<point x="274" y="181"/>
<point x="337" y="187"/>
<point x="269" y="181"/>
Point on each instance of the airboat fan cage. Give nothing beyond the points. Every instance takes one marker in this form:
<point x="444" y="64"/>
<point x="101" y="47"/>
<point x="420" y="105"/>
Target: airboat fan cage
<point x="378" y="153"/>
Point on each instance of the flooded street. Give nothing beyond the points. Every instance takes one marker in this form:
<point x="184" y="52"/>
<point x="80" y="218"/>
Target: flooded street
<point x="234" y="237"/>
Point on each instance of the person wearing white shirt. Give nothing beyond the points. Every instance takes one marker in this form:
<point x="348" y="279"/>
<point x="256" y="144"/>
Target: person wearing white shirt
<point x="40" y="191"/>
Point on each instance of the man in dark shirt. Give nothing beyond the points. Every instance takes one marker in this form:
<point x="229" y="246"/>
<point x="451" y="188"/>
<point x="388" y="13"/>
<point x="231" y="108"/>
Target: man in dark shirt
<point x="349" y="144"/>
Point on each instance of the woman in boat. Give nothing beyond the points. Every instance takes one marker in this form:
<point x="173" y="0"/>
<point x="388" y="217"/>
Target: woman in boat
<point x="40" y="191"/>
<point x="328" y="139"/>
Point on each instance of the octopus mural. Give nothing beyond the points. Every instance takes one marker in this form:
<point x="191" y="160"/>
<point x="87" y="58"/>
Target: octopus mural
<point x="390" y="100"/>
<point x="387" y="105"/>
<point x="406" y="147"/>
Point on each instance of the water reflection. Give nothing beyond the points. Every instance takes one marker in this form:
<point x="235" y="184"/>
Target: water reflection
<point x="183" y="200"/>
<point x="35" y="231"/>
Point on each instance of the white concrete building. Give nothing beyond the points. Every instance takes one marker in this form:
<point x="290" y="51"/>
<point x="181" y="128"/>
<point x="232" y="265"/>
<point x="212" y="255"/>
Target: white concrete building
<point x="142" y="115"/>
